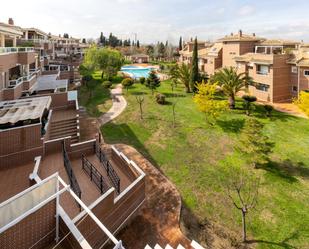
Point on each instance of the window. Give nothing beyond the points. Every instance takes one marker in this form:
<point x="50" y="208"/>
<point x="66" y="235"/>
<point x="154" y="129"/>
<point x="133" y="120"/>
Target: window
<point x="262" y="69"/>
<point x="306" y="73"/>
<point x="294" y="69"/>
<point x="262" y="87"/>
<point x="294" y="88"/>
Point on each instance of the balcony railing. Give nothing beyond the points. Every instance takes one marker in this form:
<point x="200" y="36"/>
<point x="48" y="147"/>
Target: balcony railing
<point x="29" y="77"/>
<point x="262" y="73"/>
<point x="7" y="50"/>
<point x="37" y="40"/>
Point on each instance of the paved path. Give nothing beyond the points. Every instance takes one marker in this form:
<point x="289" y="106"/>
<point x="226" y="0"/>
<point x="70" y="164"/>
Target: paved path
<point x="119" y="104"/>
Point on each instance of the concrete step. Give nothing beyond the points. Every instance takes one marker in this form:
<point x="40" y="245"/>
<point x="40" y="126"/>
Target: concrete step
<point x="64" y="128"/>
<point x="64" y="122"/>
<point x="64" y="134"/>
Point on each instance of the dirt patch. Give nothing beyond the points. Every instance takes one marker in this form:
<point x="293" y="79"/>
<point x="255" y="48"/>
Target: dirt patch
<point x="88" y="126"/>
<point x="158" y="220"/>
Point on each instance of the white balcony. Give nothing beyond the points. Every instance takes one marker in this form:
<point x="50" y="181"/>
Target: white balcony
<point x="8" y="50"/>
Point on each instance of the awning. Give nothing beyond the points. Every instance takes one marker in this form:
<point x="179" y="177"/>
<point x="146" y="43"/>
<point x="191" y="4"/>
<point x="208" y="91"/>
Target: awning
<point x="23" y="109"/>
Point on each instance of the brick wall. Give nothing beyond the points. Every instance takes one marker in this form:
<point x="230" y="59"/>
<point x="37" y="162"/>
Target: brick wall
<point x="31" y="230"/>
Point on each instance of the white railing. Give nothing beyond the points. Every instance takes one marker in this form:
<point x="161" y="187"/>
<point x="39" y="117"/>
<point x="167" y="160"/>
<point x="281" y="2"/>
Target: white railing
<point x="29" y="77"/>
<point x="37" y="40"/>
<point x="6" y="50"/>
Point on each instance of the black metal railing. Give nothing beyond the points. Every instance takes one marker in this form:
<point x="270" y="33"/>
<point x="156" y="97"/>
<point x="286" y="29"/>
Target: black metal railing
<point x="67" y="164"/>
<point x="111" y="173"/>
<point x="94" y="174"/>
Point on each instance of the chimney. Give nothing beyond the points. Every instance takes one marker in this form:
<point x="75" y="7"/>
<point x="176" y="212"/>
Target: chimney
<point x="11" y="21"/>
<point x="240" y="33"/>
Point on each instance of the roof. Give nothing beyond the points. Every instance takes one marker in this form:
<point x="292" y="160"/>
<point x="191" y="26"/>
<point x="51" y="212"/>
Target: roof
<point x="35" y="30"/>
<point x="23" y="109"/>
<point x="50" y="82"/>
<point x="262" y="59"/>
<point x="140" y="55"/>
<point x="240" y="37"/>
<point x="8" y="29"/>
<point x="278" y="42"/>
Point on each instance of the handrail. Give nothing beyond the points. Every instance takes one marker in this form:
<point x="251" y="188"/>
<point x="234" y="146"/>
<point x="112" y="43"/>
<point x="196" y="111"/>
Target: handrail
<point x="14" y="83"/>
<point x="5" y="50"/>
<point x="67" y="164"/>
<point x="94" y="174"/>
<point x="111" y="173"/>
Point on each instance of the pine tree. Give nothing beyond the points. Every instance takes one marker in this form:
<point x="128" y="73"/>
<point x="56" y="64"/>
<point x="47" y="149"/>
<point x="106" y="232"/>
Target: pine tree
<point x="194" y="71"/>
<point x="153" y="82"/>
<point x="101" y="40"/>
<point x="180" y="43"/>
<point x="137" y="44"/>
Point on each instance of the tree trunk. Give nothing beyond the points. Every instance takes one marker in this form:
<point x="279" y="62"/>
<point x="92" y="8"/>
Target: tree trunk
<point x="232" y="102"/>
<point x="141" y="110"/>
<point x="244" y="228"/>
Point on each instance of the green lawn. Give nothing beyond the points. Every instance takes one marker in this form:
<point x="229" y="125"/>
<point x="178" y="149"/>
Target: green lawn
<point x="99" y="101"/>
<point x="195" y="157"/>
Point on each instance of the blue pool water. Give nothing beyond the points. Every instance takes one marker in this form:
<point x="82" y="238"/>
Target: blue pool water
<point x="136" y="72"/>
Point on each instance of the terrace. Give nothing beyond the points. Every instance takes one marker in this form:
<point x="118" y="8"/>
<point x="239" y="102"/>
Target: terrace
<point x="80" y="166"/>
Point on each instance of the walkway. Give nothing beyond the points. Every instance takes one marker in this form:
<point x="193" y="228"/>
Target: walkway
<point x="119" y="104"/>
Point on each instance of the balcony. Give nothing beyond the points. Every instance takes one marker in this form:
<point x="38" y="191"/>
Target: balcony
<point x="8" y="50"/>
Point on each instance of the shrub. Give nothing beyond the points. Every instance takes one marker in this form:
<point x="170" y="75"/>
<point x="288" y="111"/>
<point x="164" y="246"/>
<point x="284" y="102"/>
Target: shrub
<point x="160" y="98"/>
<point x="87" y="78"/>
<point x="126" y="83"/>
<point x="142" y="80"/>
<point x="268" y="109"/>
<point x="107" y="84"/>
<point x="247" y="103"/>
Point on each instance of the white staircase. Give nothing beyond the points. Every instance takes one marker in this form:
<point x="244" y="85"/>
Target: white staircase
<point x="194" y="245"/>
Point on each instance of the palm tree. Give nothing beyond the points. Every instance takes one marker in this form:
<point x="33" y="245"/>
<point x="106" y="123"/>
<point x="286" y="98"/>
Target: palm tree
<point x="231" y="82"/>
<point x="184" y="74"/>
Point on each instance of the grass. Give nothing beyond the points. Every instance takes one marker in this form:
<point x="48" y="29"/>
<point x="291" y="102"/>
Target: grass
<point x="196" y="156"/>
<point x="98" y="100"/>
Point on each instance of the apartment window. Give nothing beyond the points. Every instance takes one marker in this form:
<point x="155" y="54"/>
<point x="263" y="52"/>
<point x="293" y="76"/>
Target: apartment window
<point x="294" y="69"/>
<point x="294" y="88"/>
<point x="262" y="87"/>
<point x="306" y="73"/>
<point x="262" y="69"/>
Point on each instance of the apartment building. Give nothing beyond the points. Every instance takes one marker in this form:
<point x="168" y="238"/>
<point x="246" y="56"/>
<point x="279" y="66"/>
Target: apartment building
<point x="57" y="191"/>
<point x="278" y="67"/>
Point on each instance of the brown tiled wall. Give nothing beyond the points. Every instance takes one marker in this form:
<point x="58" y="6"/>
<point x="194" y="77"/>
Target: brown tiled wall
<point x="31" y="229"/>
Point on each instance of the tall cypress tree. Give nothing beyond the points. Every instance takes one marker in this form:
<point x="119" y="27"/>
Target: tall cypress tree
<point x="180" y="43"/>
<point x="194" y="69"/>
<point x="137" y="44"/>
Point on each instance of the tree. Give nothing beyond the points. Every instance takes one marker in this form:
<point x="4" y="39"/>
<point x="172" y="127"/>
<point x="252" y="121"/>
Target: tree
<point x="184" y="74"/>
<point x="254" y="145"/>
<point x="102" y="39"/>
<point x="84" y="40"/>
<point x="109" y="61"/>
<point x="268" y="109"/>
<point x="242" y="190"/>
<point x="140" y="101"/>
<point x="180" y="44"/>
<point x="127" y="83"/>
<point x="206" y="102"/>
<point x="153" y="81"/>
<point x="231" y="82"/>
<point x="194" y="69"/>
<point x="174" y="75"/>
<point x="65" y="35"/>
<point x="248" y="100"/>
<point x="303" y="102"/>
<point x="150" y="50"/>
<point x="137" y="44"/>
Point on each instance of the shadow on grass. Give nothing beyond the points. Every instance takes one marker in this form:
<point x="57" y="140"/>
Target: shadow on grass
<point x="282" y="244"/>
<point x="231" y="126"/>
<point x="287" y="170"/>
<point x="138" y="93"/>
<point x="174" y="95"/>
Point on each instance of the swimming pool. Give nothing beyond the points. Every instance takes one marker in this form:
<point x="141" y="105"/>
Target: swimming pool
<point x="137" y="72"/>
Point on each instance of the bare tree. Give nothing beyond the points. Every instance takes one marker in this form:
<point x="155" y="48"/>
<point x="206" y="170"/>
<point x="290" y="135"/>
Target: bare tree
<point x="140" y="101"/>
<point x="242" y="190"/>
<point x="174" y="103"/>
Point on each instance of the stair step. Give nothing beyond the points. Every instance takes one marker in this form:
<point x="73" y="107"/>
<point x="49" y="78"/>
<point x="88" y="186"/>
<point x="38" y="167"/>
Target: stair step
<point x="64" y="131"/>
<point x="180" y="247"/>
<point x="58" y="135"/>
<point x="168" y="247"/>
<point x="67" y="128"/>
<point x="196" y="245"/>
<point x="147" y="247"/>
<point x="71" y="120"/>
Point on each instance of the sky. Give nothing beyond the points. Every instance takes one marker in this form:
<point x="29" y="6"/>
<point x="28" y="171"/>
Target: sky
<point x="161" y="20"/>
